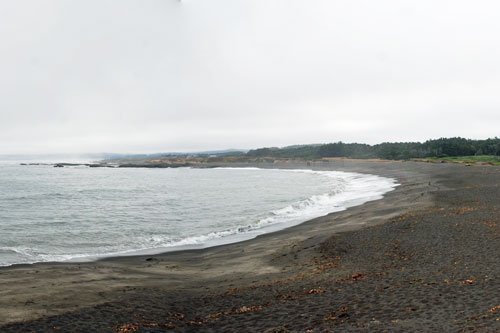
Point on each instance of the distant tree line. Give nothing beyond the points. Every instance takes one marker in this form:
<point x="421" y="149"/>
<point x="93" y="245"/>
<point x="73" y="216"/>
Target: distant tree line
<point x="444" y="147"/>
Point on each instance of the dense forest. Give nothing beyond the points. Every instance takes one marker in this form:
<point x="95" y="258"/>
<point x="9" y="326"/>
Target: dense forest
<point x="444" y="147"/>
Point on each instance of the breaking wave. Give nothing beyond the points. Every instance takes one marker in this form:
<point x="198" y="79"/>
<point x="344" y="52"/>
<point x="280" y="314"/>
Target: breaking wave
<point x="345" y="189"/>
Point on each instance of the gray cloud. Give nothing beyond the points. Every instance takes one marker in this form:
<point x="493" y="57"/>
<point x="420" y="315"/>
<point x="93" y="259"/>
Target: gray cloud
<point x="128" y="76"/>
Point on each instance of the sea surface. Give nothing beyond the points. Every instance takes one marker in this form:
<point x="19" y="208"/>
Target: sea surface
<point x="81" y="213"/>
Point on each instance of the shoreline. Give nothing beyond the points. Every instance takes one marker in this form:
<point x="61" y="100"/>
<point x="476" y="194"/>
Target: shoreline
<point x="42" y="292"/>
<point x="359" y="199"/>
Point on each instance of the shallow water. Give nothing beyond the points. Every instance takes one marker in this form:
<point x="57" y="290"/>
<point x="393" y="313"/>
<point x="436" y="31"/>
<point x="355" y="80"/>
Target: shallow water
<point x="81" y="213"/>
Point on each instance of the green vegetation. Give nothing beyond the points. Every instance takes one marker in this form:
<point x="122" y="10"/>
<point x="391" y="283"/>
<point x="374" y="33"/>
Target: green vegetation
<point x="495" y="160"/>
<point x="443" y="148"/>
<point x="305" y="152"/>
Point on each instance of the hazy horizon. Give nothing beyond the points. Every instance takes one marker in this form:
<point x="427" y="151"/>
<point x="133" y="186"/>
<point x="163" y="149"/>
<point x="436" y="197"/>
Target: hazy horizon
<point x="186" y="76"/>
<point x="104" y="153"/>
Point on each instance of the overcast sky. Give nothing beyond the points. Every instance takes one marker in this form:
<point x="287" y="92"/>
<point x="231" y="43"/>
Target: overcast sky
<point x="168" y="75"/>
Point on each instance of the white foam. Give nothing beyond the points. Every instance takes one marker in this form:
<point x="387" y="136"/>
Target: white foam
<point x="351" y="189"/>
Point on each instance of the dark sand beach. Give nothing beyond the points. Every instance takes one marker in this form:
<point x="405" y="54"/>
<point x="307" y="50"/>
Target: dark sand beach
<point x="425" y="258"/>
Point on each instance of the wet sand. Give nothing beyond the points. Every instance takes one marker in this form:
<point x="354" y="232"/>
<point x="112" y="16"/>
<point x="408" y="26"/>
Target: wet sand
<point x="424" y="258"/>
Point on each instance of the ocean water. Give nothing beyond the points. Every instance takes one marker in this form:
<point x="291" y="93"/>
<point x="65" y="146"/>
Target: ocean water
<point x="81" y="213"/>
